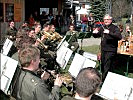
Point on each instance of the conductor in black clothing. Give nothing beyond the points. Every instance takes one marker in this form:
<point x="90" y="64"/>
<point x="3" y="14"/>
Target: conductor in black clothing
<point x="110" y="34"/>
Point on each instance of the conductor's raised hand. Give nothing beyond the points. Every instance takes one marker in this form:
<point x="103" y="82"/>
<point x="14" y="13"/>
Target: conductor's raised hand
<point x="95" y="31"/>
<point x="106" y="31"/>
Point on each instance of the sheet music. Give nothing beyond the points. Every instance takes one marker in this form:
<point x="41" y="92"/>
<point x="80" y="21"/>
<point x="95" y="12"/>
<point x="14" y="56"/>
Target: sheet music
<point x="4" y="82"/>
<point x="80" y="62"/>
<point x="90" y="55"/>
<point x="117" y="87"/>
<point x="63" y="56"/>
<point x="6" y="47"/>
<point x="8" y="67"/>
<point x="61" y="42"/>
<point x="76" y="65"/>
<point x="89" y="63"/>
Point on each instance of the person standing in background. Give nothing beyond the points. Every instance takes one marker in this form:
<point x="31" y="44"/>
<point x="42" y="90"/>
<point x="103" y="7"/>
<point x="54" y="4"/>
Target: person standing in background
<point x="84" y="22"/>
<point x="31" y="21"/>
<point x="72" y="20"/>
<point x="90" y="22"/>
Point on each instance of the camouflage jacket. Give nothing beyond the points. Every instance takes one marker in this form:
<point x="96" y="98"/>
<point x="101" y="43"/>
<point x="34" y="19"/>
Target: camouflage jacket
<point x="31" y="87"/>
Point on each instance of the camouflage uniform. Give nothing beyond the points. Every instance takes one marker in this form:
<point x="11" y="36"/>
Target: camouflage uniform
<point x="72" y="40"/>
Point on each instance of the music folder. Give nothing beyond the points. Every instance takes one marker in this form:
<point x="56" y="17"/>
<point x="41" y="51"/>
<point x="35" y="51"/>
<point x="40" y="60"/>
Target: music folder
<point x="8" y="67"/>
<point x="7" y="46"/>
<point x="78" y="63"/>
<point x="63" y="56"/>
<point x="117" y="87"/>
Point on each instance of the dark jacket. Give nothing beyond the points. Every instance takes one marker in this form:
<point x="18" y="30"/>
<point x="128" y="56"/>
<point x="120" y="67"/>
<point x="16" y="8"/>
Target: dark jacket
<point x="11" y="32"/>
<point x="31" y="87"/>
<point x="109" y="42"/>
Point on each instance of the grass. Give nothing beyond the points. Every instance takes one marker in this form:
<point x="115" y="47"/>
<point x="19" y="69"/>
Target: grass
<point x="92" y="49"/>
<point x="121" y="60"/>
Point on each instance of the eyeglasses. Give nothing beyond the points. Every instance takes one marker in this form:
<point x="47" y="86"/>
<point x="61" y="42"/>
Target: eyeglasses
<point x="71" y="27"/>
<point x="107" y="19"/>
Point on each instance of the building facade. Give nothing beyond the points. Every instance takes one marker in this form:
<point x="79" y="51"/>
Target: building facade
<point x="20" y="10"/>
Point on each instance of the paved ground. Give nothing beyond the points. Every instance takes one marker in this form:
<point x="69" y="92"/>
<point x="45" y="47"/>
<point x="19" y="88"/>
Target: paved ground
<point x="90" y="41"/>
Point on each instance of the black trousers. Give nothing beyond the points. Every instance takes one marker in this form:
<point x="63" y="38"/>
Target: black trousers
<point x="107" y="62"/>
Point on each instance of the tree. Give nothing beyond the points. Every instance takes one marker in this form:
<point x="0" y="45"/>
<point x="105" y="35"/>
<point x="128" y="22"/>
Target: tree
<point x="120" y="8"/>
<point x="98" y="9"/>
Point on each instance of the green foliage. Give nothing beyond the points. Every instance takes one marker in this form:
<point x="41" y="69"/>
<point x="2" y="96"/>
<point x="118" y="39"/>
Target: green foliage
<point x="98" y="9"/>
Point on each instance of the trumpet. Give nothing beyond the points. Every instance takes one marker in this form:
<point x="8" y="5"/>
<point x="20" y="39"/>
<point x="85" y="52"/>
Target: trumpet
<point x="56" y="36"/>
<point x="46" y="35"/>
<point x="41" y="43"/>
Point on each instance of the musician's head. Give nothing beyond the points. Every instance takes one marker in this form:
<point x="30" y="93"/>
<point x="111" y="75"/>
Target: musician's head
<point x="52" y="28"/>
<point x="11" y="23"/>
<point x="25" y="42"/>
<point x="46" y="27"/>
<point x="31" y="32"/>
<point x="37" y="27"/>
<point x="71" y="27"/>
<point x="87" y="82"/>
<point x="107" y="19"/>
<point x="29" y="58"/>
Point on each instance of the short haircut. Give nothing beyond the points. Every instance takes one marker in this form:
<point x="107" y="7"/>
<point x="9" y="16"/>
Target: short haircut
<point x="46" y="25"/>
<point x="87" y="81"/>
<point x="31" y="29"/>
<point x="36" y="25"/>
<point x="108" y="15"/>
<point x="72" y="25"/>
<point x="25" y="42"/>
<point x="28" y="54"/>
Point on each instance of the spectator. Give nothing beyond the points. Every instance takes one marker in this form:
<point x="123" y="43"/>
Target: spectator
<point x="72" y="20"/>
<point x="90" y="22"/>
<point x="84" y="22"/>
<point x="36" y="16"/>
<point x="31" y="21"/>
<point x="43" y="18"/>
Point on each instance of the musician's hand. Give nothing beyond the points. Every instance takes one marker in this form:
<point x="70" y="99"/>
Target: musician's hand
<point x="106" y="31"/>
<point x="58" y="81"/>
<point x="43" y="37"/>
<point x="45" y="75"/>
<point x="37" y="43"/>
<point x="10" y="37"/>
<point x="95" y="31"/>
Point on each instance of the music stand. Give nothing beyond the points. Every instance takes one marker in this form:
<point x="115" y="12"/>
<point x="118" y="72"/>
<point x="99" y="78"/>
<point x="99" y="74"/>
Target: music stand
<point x="6" y="47"/>
<point x="8" y="67"/>
<point x="117" y="87"/>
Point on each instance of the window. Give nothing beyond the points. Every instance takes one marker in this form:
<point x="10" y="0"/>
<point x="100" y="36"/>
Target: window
<point x="1" y="12"/>
<point x="9" y="14"/>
